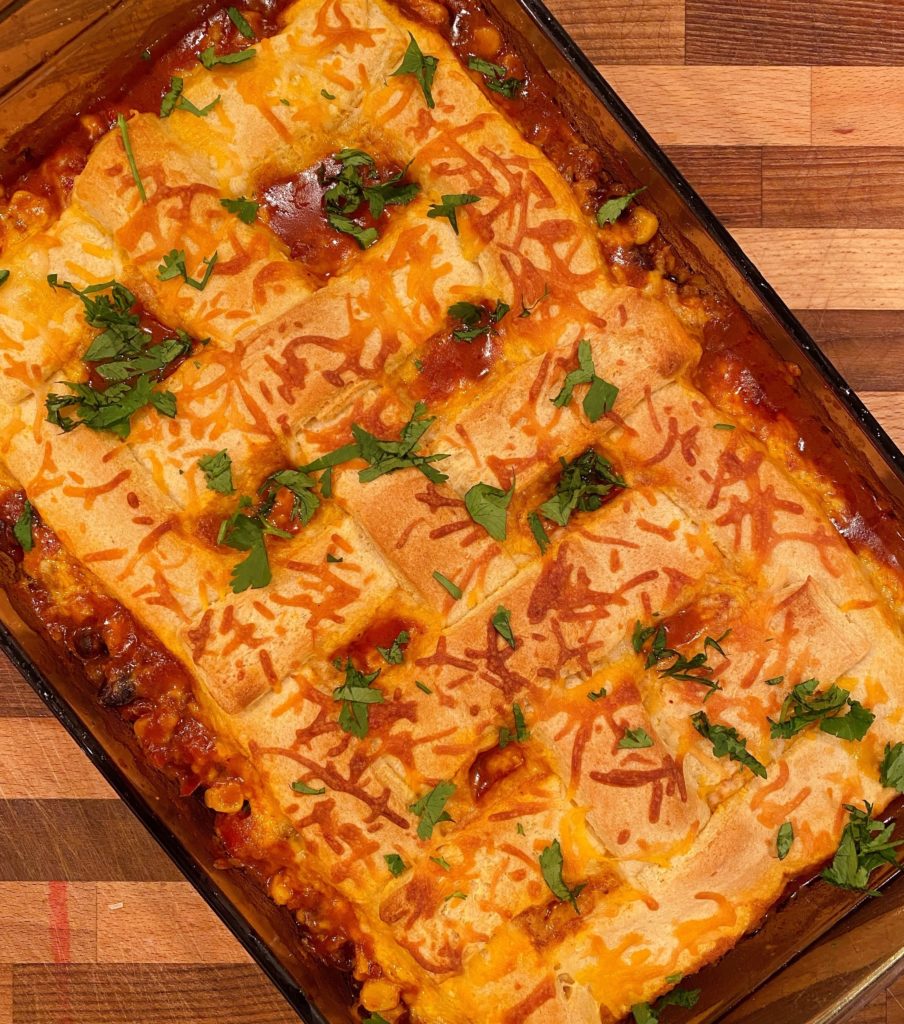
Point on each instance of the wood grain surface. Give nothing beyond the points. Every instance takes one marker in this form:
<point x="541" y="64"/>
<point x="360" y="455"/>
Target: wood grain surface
<point x="789" y="119"/>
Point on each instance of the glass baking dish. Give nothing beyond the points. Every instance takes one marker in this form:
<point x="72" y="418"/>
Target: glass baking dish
<point x="816" y="956"/>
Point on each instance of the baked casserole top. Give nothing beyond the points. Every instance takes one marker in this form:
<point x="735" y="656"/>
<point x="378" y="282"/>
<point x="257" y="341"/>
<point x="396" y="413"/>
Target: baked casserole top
<point x="543" y="673"/>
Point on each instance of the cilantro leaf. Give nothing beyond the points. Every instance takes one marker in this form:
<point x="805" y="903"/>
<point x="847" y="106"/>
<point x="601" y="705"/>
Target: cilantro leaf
<point x="130" y="156"/>
<point x="447" y="584"/>
<point x="217" y="470"/>
<point x="551" y="864"/>
<point x="596" y="695"/>
<point x="422" y="66"/>
<point x="4" y="276"/>
<point x="496" y="77"/>
<point x="727" y="743"/>
<point x="244" y="209"/>
<point x="395" y="653"/>
<point x="245" y="532"/>
<point x="502" y="623"/>
<point x="891" y="771"/>
<point x="611" y="210"/>
<point x="644" y="1013"/>
<point x="865" y="845"/>
<point x="238" y="19"/>
<point x="384" y="456"/>
<point x="521" y="733"/>
<point x="476" y="320"/>
<point x="487" y="506"/>
<point x="22" y="530"/>
<point x="300" y="485"/>
<point x="600" y="396"/>
<point x="327" y="95"/>
<point x="804" y="705"/>
<point x="449" y="206"/>
<point x="540" y="534"/>
<point x="357" y="694"/>
<point x="635" y="739"/>
<point x="173" y="265"/>
<point x="783" y="839"/>
<point x="692" y="670"/>
<point x="430" y="808"/>
<point x="395" y="864"/>
<point x="175" y="100"/>
<point x="583" y="485"/>
<point x="210" y="58"/>
<point x="302" y="787"/>
<point x="357" y="184"/>
<point x="109" y="410"/>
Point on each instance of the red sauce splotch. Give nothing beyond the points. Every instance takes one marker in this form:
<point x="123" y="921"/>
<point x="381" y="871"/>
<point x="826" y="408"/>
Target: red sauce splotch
<point x="493" y="765"/>
<point x="379" y="633"/>
<point x="294" y="210"/>
<point x="448" y="365"/>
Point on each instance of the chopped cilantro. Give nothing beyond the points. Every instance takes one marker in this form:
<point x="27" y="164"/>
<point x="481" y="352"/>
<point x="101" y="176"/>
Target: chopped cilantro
<point x="476" y="320"/>
<point x="130" y="156"/>
<point x="423" y="687"/>
<point x="804" y="705"/>
<point x="330" y="557"/>
<point x="395" y="653"/>
<point x="302" y="787"/>
<point x="356" y="694"/>
<point x="447" y="584"/>
<point x="635" y="739"/>
<point x="487" y="506"/>
<point x="210" y="58"/>
<point x="327" y="95"/>
<point x="865" y="845"/>
<point x="217" y="470"/>
<point x="600" y="396"/>
<point x="611" y="210"/>
<point x="442" y="862"/>
<point x="422" y="66"/>
<point x="300" y="485"/>
<point x="245" y="531"/>
<point x="891" y="771"/>
<point x="727" y="743"/>
<point x="775" y="680"/>
<point x="22" y="530"/>
<point x="551" y="865"/>
<point x="521" y="733"/>
<point x="496" y="77"/>
<point x="240" y="23"/>
<point x="583" y="485"/>
<point x="244" y="209"/>
<point x="644" y="1013"/>
<point x="175" y="100"/>
<point x="723" y="426"/>
<point x="430" y="808"/>
<point x="449" y="206"/>
<point x="502" y="623"/>
<point x="596" y="695"/>
<point x="395" y="864"/>
<point x="783" y="839"/>
<point x="173" y="265"/>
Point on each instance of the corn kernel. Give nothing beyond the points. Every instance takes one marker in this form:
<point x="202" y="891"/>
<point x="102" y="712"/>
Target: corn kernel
<point x="379" y="994"/>
<point x="644" y="225"/>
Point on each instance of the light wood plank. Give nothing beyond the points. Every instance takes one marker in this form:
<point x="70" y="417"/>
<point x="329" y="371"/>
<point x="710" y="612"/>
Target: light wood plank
<point x="147" y="994"/>
<point x="717" y="106"/>
<point x="888" y="408"/>
<point x="47" y="922"/>
<point x="160" y="922"/>
<point x="828" y="268"/>
<point x="39" y="761"/>
<point x="791" y="32"/>
<point x="858" y="106"/>
<point x="626" y="31"/>
<point x="17" y="698"/>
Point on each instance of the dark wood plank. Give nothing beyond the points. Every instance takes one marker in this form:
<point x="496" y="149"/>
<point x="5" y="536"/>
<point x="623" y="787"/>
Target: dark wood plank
<point x="17" y="698"/>
<point x="626" y="31"/>
<point x="789" y="32"/>
<point x="149" y="994"/>
<point x="827" y="186"/>
<point x="77" y="841"/>
<point x="867" y="346"/>
<point x="728" y="177"/>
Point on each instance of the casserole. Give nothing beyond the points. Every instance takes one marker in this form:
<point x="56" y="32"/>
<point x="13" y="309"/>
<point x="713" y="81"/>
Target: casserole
<point x="717" y="641"/>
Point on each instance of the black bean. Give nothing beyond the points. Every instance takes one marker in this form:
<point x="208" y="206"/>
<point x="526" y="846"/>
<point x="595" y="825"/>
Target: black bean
<point x="116" y="693"/>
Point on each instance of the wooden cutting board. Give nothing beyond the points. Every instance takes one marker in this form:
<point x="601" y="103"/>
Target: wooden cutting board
<point x="789" y="118"/>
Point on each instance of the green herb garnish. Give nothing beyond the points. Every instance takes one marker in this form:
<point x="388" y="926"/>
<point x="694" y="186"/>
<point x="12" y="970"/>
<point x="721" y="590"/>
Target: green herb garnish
<point x="487" y="506"/>
<point x="727" y="743"/>
<point x="611" y="210"/>
<point x="430" y="808"/>
<point x="635" y="739"/>
<point x="521" y="732"/>
<point x="865" y="845"/>
<point x="175" y="100"/>
<point x="210" y="58"/>
<point x="130" y="156"/>
<point x="600" y="396"/>
<point x="422" y="66"/>
<point x="583" y="485"/>
<point x="783" y="839"/>
<point x="496" y="77"/>
<point x="395" y="653"/>
<point x="502" y="623"/>
<point x="449" y="206"/>
<point x="804" y="705"/>
<point x="356" y="694"/>
<point x="551" y="864"/>
<point x="476" y="320"/>
<point x="173" y="265"/>
<point x="244" y="209"/>
<point x="302" y="787"/>
<point x="240" y="23"/>
<point x="395" y="864"/>
<point x="22" y="530"/>
<point x="245" y="531"/>
<point x="217" y="470"/>
<point x="447" y="584"/>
